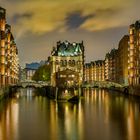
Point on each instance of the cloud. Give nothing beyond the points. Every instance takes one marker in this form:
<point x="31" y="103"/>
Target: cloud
<point x="75" y="20"/>
<point x="38" y="24"/>
<point x="97" y="44"/>
<point x="48" y="15"/>
<point x="18" y="17"/>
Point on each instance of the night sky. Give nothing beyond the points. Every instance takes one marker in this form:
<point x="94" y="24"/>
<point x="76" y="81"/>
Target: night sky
<point x="38" y="24"/>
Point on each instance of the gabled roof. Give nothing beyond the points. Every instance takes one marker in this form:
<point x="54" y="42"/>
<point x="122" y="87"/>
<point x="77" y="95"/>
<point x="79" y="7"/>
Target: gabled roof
<point x="67" y="49"/>
<point x="136" y="25"/>
<point x="2" y="13"/>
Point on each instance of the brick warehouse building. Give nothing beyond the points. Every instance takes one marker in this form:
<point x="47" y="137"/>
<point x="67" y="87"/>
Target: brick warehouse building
<point x="9" y="62"/>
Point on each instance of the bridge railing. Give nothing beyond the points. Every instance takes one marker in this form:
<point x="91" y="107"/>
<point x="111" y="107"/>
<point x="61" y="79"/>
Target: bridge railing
<point x="106" y="84"/>
<point x="32" y="84"/>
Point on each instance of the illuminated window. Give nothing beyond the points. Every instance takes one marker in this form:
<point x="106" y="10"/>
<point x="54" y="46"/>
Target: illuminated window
<point x="131" y="31"/>
<point x="63" y="76"/>
<point x="72" y="75"/>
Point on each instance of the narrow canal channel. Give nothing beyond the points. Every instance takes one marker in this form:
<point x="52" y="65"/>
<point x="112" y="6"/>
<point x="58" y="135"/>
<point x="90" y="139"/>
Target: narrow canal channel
<point x="99" y="115"/>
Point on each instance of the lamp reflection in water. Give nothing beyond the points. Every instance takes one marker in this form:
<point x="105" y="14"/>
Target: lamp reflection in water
<point x="71" y="124"/>
<point x="9" y="123"/>
<point x="101" y="114"/>
<point x="74" y="121"/>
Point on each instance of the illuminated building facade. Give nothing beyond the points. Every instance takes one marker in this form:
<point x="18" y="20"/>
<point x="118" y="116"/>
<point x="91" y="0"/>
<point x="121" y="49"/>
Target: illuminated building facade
<point x="67" y="57"/>
<point x="30" y="70"/>
<point x="29" y="73"/>
<point x="122" y="61"/>
<point x="98" y="70"/>
<point x="22" y="74"/>
<point x="67" y="78"/>
<point x="121" y="65"/>
<point x="94" y="71"/>
<point x="87" y="72"/>
<point x="111" y="65"/>
<point x="134" y="54"/>
<point x="9" y="62"/>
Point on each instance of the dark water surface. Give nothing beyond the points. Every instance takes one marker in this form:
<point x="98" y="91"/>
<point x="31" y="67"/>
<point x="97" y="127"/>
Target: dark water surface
<point x="100" y="115"/>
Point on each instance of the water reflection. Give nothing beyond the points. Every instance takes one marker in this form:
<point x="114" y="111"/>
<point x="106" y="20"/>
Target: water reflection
<point x="115" y="116"/>
<point x="99" y="115"/>
<point x="9" y="115"/>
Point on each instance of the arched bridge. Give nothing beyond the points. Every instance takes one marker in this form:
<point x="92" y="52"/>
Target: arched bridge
<point x="107" y="85"/>
<point x="34" y="84"/>
<point x="102" y="84"/>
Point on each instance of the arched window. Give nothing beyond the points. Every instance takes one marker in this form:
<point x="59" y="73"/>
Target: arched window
<point x="78" y="62"/>
<point x="61" y="62"/>
<point x="57" y="62"/>
<point x="65" y="62"/>
<point x="73" y="62"/>
<point x="69" y="62"/>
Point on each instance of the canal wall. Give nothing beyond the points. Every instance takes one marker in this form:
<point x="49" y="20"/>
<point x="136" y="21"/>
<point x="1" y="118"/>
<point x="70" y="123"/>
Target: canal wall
<point x="130" y="90"/>
<point x="50" y="92"/>
<point x="7" y="91"/>
<point x="4" y="92"/>
<point x="62" y="93"/>
<point x="134" y="90"/>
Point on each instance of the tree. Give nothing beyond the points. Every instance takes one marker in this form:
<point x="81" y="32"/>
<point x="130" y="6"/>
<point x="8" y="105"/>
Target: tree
<point x="42" y="74"/>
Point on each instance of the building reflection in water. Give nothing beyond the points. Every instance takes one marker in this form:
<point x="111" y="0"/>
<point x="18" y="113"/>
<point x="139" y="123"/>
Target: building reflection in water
<point x="100" y="114"/>
<point x="66" y="121"/>
<point x="119" y="115"/>
<point x="9" y="120"/>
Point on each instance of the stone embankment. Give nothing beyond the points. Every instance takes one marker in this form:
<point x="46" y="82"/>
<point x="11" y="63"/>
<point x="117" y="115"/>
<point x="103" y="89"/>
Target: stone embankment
<point x="134" y="90"/>
<point x="128" y="90"/>
<point x="4" y="92"/>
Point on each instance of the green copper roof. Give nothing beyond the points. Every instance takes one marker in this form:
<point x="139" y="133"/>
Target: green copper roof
<point x="68" y="49"/>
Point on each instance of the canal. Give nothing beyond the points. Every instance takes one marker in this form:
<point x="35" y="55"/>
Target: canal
<point x="99" y="115"/>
